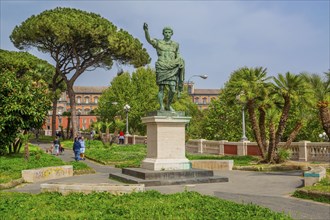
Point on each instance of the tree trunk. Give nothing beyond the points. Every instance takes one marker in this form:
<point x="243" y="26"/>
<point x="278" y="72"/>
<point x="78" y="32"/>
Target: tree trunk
<point x="293" y="134"/>
<point x="54" y="115"/>
<point x="262" y="127"/>
<point x="272" y="145"/>
<point x="107" y="134"/>
<point x="71" y="94"/>
<point x="283" y="119"/>
<point x="255" y="127"/>
<point x="62" y="133"/>
<point x="16" y="145"/>
<point x="68" y="127"/>
<point x="325" y="118"/>
<point x="26" y="151"/>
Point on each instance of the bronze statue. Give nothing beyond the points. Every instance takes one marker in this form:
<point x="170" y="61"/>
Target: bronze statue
<point x="170" y="67"/>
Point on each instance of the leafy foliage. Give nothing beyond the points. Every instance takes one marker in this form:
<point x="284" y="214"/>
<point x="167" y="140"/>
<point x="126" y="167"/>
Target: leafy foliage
<point x="140" y="92"/>
<point x="24" y="97"/>
<point x="142" y="205"/>
<point x="78" y="41"/>
<point x="270" y="107"/>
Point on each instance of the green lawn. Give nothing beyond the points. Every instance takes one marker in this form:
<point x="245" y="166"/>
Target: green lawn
<point x="11" y="166"/>
<point x="117" y="155"/>
<point x="132" y="155"/>
<point x="142" y="205"/>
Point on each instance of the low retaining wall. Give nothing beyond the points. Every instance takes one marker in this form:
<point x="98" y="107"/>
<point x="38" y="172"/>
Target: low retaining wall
<point x="47" y="173"/>
<point x="314" y="175"/>
<point x="11" y="184"/>
<point x="66" y="188"/>
<point x="212" y="164"/>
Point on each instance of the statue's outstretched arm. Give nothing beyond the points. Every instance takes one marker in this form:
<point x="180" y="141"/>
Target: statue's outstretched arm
<point x="146" y="32"/>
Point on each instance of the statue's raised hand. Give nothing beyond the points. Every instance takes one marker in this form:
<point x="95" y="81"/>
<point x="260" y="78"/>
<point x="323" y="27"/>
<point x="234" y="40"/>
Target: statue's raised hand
<point x="145" y="26"/>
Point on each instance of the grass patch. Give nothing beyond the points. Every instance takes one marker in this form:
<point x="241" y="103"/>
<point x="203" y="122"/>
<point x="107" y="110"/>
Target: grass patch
<point x="118" y="155"/>
<point x="132" y="155"/>
<point x="141" y="205"/>
<point x="11" y="166"/>
<point x="320" y="192"/>
<point x="42" y="139"/>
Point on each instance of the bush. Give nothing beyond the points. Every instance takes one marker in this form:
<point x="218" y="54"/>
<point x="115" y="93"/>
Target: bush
<point x="283" y="155"/>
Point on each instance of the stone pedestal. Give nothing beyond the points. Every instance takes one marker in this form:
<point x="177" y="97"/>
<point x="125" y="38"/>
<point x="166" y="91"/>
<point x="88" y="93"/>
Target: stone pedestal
<point x="166" y="141"/>
<point x="166" y="163"/>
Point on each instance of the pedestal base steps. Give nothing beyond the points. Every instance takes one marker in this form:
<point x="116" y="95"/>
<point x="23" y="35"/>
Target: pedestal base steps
<point x="166" y="177"/>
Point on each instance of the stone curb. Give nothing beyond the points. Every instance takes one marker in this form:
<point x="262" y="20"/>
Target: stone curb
<point x="270" y="168"/>
<point x="83" y="172"/>
<point x="11" y="184"/>
<point x="314" y="194"/>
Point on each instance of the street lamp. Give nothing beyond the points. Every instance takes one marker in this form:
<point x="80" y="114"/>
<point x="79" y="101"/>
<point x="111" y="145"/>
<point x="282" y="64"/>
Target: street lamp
<point x="324" y="136"/>
<point x="127" y="108"/>
<point x="59" y="118"/>
<point x="200" y="76"/>
<point x="238" y="98"/>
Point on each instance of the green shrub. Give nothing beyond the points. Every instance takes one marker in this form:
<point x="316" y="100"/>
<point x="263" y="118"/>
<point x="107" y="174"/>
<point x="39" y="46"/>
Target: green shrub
<point x="283" y="155"/>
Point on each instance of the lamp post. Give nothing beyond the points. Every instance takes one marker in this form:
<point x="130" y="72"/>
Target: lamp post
<point x="200" y="76"/>
<point x="238" y="98"/>
<point x="59" y="119"/>
<point x="127" y="108"/>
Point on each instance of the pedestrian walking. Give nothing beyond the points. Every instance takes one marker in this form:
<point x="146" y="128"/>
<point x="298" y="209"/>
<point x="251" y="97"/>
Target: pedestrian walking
<point x="76" y="149"/>
<point x="82" y="148"/>
<point x="57" y="144"/>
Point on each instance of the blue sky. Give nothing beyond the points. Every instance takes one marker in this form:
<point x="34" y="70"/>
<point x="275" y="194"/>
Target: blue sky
<point x="215" y="37"/>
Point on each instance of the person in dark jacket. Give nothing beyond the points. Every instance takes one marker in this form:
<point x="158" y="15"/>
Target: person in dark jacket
<point x="76" y="149"/>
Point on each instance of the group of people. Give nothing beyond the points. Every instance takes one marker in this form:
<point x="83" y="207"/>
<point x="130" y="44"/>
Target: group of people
<point x="79" y="148"/>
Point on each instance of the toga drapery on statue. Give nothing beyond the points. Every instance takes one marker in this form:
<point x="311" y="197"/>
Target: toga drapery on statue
<point x="170" y="67"/>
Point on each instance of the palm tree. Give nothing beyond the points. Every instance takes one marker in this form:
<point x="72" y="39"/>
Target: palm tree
<point x="251" y="84"/>
<point x="291" y="87"/>
<point x="321" y="90"/>
<point x="107" y="131"/>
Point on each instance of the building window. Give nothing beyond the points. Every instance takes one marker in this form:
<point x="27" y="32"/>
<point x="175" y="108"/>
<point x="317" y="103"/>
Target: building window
<point x="79" y="99"/>
<point x="204" y="100"/>
<point x="96" y="99"/>
<point x="197" y="100"/>
<point x="189" y="89"/>
<point x="87" y="100"/>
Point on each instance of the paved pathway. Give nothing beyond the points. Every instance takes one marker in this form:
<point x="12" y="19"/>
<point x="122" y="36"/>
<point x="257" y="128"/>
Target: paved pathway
<point x="268" y="189"/>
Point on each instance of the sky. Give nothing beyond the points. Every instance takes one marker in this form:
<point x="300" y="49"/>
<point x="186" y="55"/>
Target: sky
<point x="215" y="37"/>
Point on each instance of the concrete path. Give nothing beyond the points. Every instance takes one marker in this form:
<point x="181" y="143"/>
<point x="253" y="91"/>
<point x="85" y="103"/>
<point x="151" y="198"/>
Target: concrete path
<point x="267" y="189"/>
